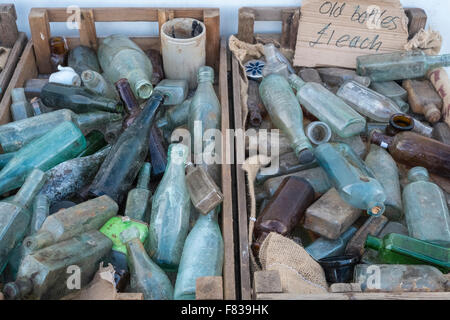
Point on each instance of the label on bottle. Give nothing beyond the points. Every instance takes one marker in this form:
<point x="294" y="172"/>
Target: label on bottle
<point x="384" y="145"/>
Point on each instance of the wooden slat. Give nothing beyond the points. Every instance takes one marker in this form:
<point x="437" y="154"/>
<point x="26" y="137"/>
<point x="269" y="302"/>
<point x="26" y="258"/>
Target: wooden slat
<point x="88" y="35"/>
<point x="357" y="296"/>
<point x="40" y="34"/>
<point x="211" y="19"/>
<point x="246" y="25"/>
<point x="268" y="13"/>
<point x="417" y="20"/>
<point x="145" y="43"/>
<point x="8" y="27"/>
<point x="13" y="58"/>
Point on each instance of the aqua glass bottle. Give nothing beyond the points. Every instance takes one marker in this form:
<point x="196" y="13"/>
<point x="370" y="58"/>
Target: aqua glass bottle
<point x="138" y="200"/>
<point x="273" y="64"/>
<point x="286" y="114"/>
<point x="120" y="58"/>
<point x="83" y="58"/>
<point x="355" y="182"/>
<point x="20" y="107"/>
<point x="324" y="248"/>
<point x="400" y="249"/>
<point x="202" y="255"/>
<point x="327" y="107"/>
<point x="169" y="220"/>
<point x="62" y="143"/>
<point x="426" y="210"/>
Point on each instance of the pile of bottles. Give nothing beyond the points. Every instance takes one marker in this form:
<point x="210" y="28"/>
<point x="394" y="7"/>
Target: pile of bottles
<point x="90" y="174"/>
<point x="364" y="162"/>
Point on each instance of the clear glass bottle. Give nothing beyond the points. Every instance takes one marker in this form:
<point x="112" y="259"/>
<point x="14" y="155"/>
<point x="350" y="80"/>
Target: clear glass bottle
<point x="120" y="57"/>
<point x="327" y="107"/>
<point x="336" y="77"/>
<point x="426" y="210"/>
<point x="202" y="256"/>
<point x="175" y="116"/>
<point x="394" y="91"/>
<point x="273" y="64"/>
<point x="318" y="132"/>
<point x="355" y="183"/>
<point x="20" y="107"/>
<point x="169" y="221"/>
<point x="96" y="83"/>
<point x="138" y="200"/>
<point x="175" y="91"/>
<point x="441" y="132"/>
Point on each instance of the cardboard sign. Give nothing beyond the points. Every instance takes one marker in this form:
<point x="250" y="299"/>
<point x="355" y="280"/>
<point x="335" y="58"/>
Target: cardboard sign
<point x="335" y="33"/>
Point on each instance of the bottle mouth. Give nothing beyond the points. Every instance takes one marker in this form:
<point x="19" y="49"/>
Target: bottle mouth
<point x="402" y="122"/>
<point x="376" y="210"/>
<point x="144" y="89"/>
<point x="205" y="73"/>
<point x="318" y="132"/>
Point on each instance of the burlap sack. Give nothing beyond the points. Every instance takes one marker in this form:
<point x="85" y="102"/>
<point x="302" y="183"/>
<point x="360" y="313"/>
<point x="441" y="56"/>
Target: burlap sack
<point x="299" y="272"/>
<point x="429" y="41"/>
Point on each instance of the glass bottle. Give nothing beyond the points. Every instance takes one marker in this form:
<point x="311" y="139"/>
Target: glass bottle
<point x="78" y="99"/>
<point x="416" y="150"/>
<point x="121" y="166"/>
<point x="15" y="215"/>
<point x="83" y="58"/>
<point x="67" y="223"/>
<point x="426" y="210"/>
<point x="96" y="83"/>
<point x="62" y="143"/>
<point x="41" y="210"/>
<point x="120" y="58"/>
<point x="146" y="276"/>
<point x="20" y="107"/>
<point x="95" y="141"/>
<point x="385" y="171"/>
<point x="399" y="65"/>
<point x="15" y="135"/>
<point x="37" y="106"/>
<point x="336" y="77"/>
<point x="394" y="91"/>
<point x="273" y="64"/>
<point x="158" y="152"/>
<point x="204" y="193"/>
<point x="286" y="113"/>
<point x="318" y="132"/>
<point x="324" y="248"/>
<point x="44" y="274"/>
<point x="399" y="122"/>
<point x="169" y="220"/>
<point x="328" y="108"/>
<point x="58" y="52"/>
<point x="355" y="183"/>
<point x="157" y="64"/>
<point x="138" y="200"/>
<point x="284" y="210"/>
<point x="5" y="158"/>
<point x="399" y="249"/>
<point x="129" y="102"/>
<point x="175" y="116"/>
<point x="202" y="255"/>
<point x="441" y="132"/>
<point x="424" y="99"/>
<point x="174" y="91"/>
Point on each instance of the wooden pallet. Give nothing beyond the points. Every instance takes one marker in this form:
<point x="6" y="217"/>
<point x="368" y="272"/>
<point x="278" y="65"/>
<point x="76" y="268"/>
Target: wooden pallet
<point x="35" y="60"/>
<point x="289" y="17"/>
<point x="10" y="38"/>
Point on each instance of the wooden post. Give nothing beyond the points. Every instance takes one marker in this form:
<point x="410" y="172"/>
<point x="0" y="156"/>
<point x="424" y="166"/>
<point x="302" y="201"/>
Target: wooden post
<point x="246" y="25"/>
<point x="40" y="34"/>
<point x="417" y="20"/>
<point x="211" y="19"/>
<point x="88" y="34"/>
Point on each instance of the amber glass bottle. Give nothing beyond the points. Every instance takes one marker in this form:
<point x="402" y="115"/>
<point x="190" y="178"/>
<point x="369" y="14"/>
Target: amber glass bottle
<point x="59" y="52"/>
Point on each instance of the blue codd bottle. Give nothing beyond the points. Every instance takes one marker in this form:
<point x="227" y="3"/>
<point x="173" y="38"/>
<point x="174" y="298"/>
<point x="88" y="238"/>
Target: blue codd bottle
<point x="169" y="220"/>
<point x="355" y="182"/>
<point x="202" y="255"/>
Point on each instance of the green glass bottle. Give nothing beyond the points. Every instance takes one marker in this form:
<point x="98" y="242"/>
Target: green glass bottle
<point x="202" y="255"/>
<point x="15" y="135"/>
<point x="83" y="58"/>
<point x="169" y="220"/>
<point x="286" y="114"/>
<point x="120" y="58"/>
<point x="77" y="99"/>
<point x="327" y="107"/>
<point x="138" y="200"/>
<point x="399" y="249"/>
<point x="95" y="141"/>
<point x="20" y="107"/>
<point x="399" y="65"/>
<point x="60" y="144"/>
<point x="15" y="215"/>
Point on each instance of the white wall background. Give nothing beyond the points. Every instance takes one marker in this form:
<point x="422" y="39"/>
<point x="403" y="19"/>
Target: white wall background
<point x="438" y="12"/>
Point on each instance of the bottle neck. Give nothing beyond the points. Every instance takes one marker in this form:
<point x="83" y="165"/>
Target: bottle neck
<point x="40" y="240"/>
<point x="126" y="95"/>
<point x="434" y="62"/>
<point x="296" y="82"/>
<point x="30" y="188"/>
<point x="144" y="176"/>
<point x="382" y="140"/>
<point x="148" y="114"/>
<point x="89" y="120"/>
<point x="90" y="78"/>
<point x="374" y="243"/>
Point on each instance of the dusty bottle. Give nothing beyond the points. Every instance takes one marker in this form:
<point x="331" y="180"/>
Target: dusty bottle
<point x="175" y="116"/>
<point x="20" y="107"/>
<point x="15" y="215"/>
<point x="318" y="132"/>
<point x="205" y="115"/>
<point x="174" y="91"/>
<point x="127" y="155"/>
<point x="310" y="75"/>
<point x="284" y="210"/>
<point x="416" y="150"/>
<point x="69" y="178"/>
<point x="77" y="99"/>
<point x="394" y="91"/>
<point x="286" y="114"/>
<point x="138" y="200"/>
<point x="202" y="255"/>
<point x="336" y="77"/>
<point x="43" y="274"/>
<point x="441" y="132"/>
<point x="67" y="142"/>
<point x="83" y="58"/>
<point x="355" y="183"/>
<point x="129" y="102"/>
<point x="58" y="52"/>
<point x="41" y="210"/>
<point x="146" y="276"/>
<point x="424" y="99"/>
<point x="355" y="143"/>
<point x="170" y="212"/>
<point x="96" y="83"/>
<point x="399" y="249"/>
<point x="400" y="278"/>
<point x="328" y="108"/>
<point x="15" y="135"/>
<point x="157" y="64"/>
<point x="95" y="141"/>
<point x="385" y="171"/>
<point x="324" y="248"/>
<point x="158" y="152"/>
<point x="65" y="224"/>
<point x="399" y="65"/>
<point x="426" y="210"/>
<point x="204" y="192"/>
<point x="273" y="64"/>
<point x="121" y="58"/>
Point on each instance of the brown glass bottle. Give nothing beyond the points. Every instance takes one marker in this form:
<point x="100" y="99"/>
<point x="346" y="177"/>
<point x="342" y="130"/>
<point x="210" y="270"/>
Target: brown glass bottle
<point x="416" y="151"/>
<point x="59" y="52"/>
<point x="129" y="102"/>
<point x="399" y="122"/>
<point x="284" y="210"/>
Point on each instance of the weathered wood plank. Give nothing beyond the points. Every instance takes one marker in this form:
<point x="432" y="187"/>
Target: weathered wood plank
<point x="88" y="34"/>
<point x="246" y="25"/>
<point x="8" y="27"/>
<point x="357" y="296"/>
<point x="211" y="19"/>
<point x="40" y="34"/>
<point x="11" y="63"/>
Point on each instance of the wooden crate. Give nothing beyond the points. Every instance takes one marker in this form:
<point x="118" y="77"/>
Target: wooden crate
<point x="35" y="60"/>
<point x="246" y="32"/>
<point x="10" y="38"/>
